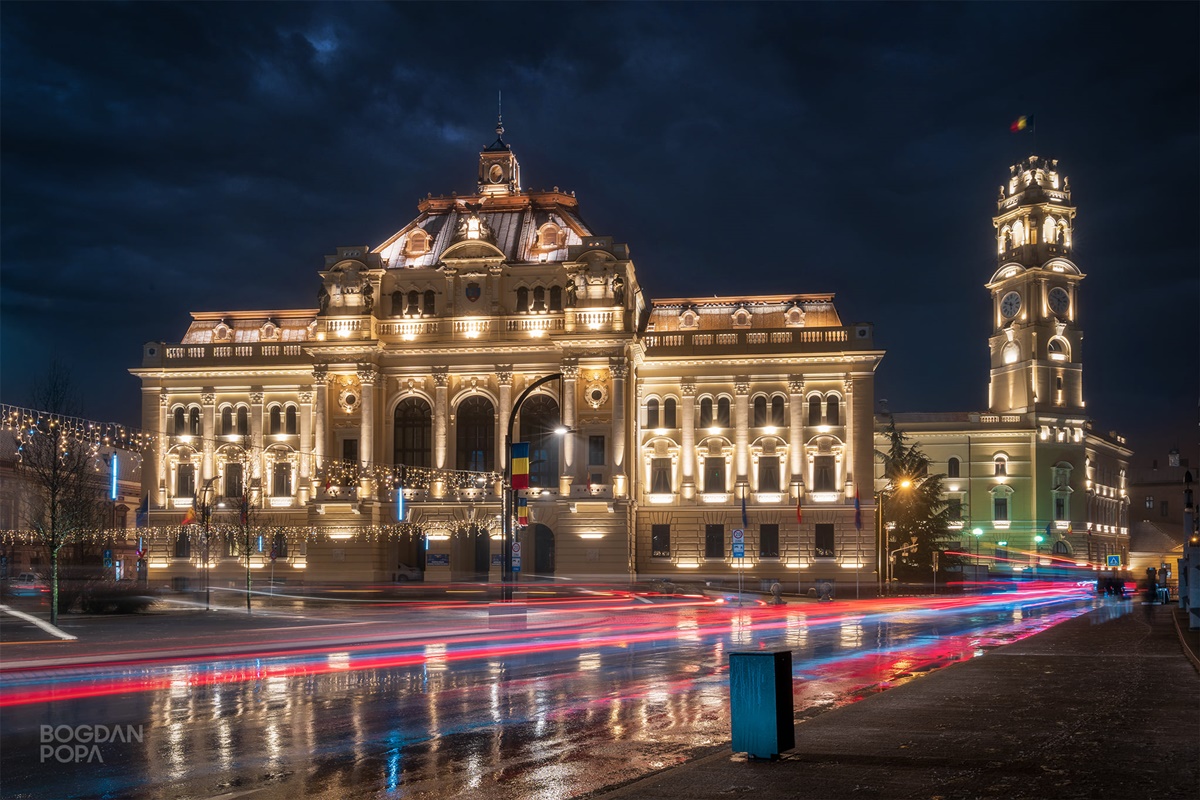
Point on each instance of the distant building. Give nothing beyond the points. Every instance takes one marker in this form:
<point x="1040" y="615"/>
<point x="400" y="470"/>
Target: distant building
<point x="369" y="432"/>
<point x="1034" y="464"/>
<point x="1157" y="533"/>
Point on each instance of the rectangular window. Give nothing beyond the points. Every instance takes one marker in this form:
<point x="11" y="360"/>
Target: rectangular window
<point x="281" y="483"/>
<point x="660" y="541"/>
<point x="185" y="481"/>
<point x="1150" y="501"/>
<point x="768" y="474"/>
<point x="233" y="479"/>
<point x="350" y="450"/>
<point x="1164" y="508"/>
<point x="183" y="546"/>
<point x="596" y="450"/>
<point x="823" y="544"/>
<point x="1060" y="508"/>
<point x="768" y="541"/>
<point x="714" y="541"/>
<point x="714" y="474"/>
<point x="1000" y="513"/>
<point x="954" y="509"/>
<point x="824" y="479"/>
<point x="660" y="476"/>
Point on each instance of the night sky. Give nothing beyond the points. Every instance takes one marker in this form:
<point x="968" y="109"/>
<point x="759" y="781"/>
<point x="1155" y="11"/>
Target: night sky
<point x="162" y="158"/>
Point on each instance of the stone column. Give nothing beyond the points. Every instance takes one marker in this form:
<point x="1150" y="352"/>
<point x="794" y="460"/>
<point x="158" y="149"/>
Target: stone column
<point x="164" y="405"/>
<point x="367" y="377"/>
<point x="796" y="433"/>
<point x="687" y="447"/>
<point x="848" y="421"/>
<point x="619" y="369"/>
<point x="304" y="489"/>
<point x="321" y="390"/>
<point x="441" y="415"/>
<point x="504" y="376"/>
<point x="208" y="433"/>
<point x="570" y="374"/>
<point x="741" y="440"/>
<point x="256" y="437"/>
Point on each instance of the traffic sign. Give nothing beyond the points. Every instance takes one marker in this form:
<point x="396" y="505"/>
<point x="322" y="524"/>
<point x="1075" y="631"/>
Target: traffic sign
<point x="1114" y="561"/>
<point x="739" y="549"/>
<point x="516" y="564"/>
<point x="738" y="534"/>
<point x="516" y="550"/>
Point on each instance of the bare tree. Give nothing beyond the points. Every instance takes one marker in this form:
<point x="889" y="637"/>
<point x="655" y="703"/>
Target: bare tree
<point x="58" y="461"/>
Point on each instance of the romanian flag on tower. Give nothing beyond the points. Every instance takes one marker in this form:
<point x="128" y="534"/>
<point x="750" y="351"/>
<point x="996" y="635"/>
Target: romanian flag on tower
<point x="519" y="453"/>
<point x="1022" y="124"/>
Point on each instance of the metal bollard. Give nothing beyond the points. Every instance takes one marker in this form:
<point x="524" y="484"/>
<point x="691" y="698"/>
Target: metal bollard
<point x="760" y="703"/>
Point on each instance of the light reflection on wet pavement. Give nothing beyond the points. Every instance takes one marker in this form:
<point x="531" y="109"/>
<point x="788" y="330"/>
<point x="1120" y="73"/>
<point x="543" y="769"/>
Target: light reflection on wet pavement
<point x="511" y="714"/>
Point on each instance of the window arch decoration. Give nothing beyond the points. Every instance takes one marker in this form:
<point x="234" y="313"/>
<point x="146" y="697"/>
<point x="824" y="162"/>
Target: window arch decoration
<point x="1059" y="349"/>
<point x="539" y="418"/>
<point x="713" y="456"/>
<point x="291" y="419"/>
<point x="281" y="469"/>
<point x="1062" y="548"/>
<point x="233" y="466"/>
<point x="814" y="409"/>
<point x="194" y="427"/>
<point x="227" y="428"/>
<point x="660" y="457"/>
<point x="670" y="413"/>
<point x="722" y="420"/>
<point x="1005" y="239"/>
<point x="778" y="411"/>
<point x="475" y="434"/>
<point x="833" y="407"/>
<point x="550" y="237"/>
<point x="1018" y="233"/>
<point x="412" y="433"/>
<point x="522" y="300"/>
<point x="1001" y="506"/>
<point x="539" y="300"/>
<point x="397" y="303"/>
<point x="556" y="298"/>
<point x="179" y="421"/>
<point x="953" y="467"/>
<point x="706" y="412"/>
<point x="275" y="419"/>
<point x="760" y="411"/>
<point x="243" y="420"/>
<point x="767" y="459"/>
<point x="1000" y="465"/>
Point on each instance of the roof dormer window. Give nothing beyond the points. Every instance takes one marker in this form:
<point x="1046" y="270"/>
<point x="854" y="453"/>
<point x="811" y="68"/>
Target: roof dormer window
<point x="550" y="236"/>
<point x="418" y="243"/>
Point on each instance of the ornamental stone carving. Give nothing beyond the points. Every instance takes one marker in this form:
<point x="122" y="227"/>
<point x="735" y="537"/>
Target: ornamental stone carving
<point x="504" y="374"/>
<point x="256" y="398"/>
<point x="305" y="397"/>
<point x="796" y="384"/>
<point x="208" y="398"/>
<point x="688" y="388"/>
<point x="440" y="376"/>
<point x="320" y="373"/>
<point x="741" y="387"/>
<point x="367" y="374"/>
<point x="618" y="367"/>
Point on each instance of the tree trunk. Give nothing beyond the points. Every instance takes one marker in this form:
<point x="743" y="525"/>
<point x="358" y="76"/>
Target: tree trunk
<point x="53" y="585"/>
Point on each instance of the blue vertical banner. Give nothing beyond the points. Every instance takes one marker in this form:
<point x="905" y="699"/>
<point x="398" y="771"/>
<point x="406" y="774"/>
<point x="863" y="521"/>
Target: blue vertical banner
<point x="857" y="511"/>
<point x="745" y="521"/>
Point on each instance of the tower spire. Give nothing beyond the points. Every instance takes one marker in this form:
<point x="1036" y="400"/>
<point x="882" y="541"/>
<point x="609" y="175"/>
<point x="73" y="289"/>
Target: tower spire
<point x="499" y="113"/>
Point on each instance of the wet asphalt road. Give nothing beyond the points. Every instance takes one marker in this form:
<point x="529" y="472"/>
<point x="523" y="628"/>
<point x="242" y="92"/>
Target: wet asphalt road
<point x="574" y="704"/>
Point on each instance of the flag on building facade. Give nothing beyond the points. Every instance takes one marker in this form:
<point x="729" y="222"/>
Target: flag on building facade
<point x="1022" y="124"/>
<point x="857" y="511"/>
<point x="142" y="517"/>
<point x="745" y="519"/>
<point x="190" y="517"/>
<point x="522" y="511"/>
<point x="799" y="511"/>
<point x="519" y="453"/>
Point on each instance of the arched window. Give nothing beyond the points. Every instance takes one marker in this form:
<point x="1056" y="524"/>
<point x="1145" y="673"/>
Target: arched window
<point x="227" y="420"/>
<point x="539" y="418"/>
<point x="178" y="419"/>
<point x="669" y="418"/>
<point x="243" y="421"/>
<point x="276" y="420"/>
<point x="289" y="421"/>
<point x="760" y="411"/>
<point x="723" y="412"/>
<point x="952" y="468"/>
<point x="413" y="433"/>
<point x="1058" y="350"/>
<point x="1061" y="548"/>
<point x="1049" y="230"/>
<point x="1001" y="465"/>
<point x="814" y="410"/>
<point x="476" y="434"/>
<point x="414" y="303"/>
<point x="430" y="307"/>
<point x="1018" y="233"/>
<point x="556" y="298"/>
<point x="522" y="300"/>
<point x="652" y="413"/>
<point x="1011" y="353"/>
<point x="706" y="412"/>
<point x="832" y="407"/>
<point x="194" y="422"/>
<point x="539" y="300"/>
<point x="397" y="303"/>
<point x="778" y="416"/>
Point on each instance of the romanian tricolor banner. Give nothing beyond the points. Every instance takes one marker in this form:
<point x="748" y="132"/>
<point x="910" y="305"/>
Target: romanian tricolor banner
<point x="1022" y="124"/>
<point x="190" y="516"/>
<point x="799" y="511"/>
<point x="522" y="511"/>
<point x="519" y="453"/>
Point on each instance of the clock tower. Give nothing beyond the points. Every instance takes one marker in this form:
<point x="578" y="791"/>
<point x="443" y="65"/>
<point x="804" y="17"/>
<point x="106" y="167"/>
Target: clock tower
<point x="499" y="172"/>
<point x="1036" y="359"/>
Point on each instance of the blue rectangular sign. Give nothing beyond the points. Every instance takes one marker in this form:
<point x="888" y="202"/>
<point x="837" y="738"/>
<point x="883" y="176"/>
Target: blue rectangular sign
<point x="1114" y="561"/>
<point x="739" y="549"/>
<point x="437" y="559"/>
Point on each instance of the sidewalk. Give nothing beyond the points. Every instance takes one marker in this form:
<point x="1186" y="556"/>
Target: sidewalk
<point x="1106" y="705"/>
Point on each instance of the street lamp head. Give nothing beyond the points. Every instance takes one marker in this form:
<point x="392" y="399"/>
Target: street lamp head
<point x="1039" y="538"/>
<point x="977" y="532"/>
<point x="904" y="484"/>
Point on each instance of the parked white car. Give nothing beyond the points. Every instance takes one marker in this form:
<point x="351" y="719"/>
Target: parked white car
<point x="407" y="573"/>
<point x="28" y="584"/>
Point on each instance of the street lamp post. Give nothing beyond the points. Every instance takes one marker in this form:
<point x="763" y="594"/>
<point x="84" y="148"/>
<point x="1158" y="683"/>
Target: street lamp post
<point x="886" y="567"/>
<point x="508" y="499"/>
<point x="977" y="532"/>
<point x="248" y="499"/>
<point x="205" y="499"/>
<point x="892" y="555"/>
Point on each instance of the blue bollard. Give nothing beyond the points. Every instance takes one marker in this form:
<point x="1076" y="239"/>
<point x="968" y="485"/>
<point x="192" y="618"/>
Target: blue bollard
<point x="760" y="703"/>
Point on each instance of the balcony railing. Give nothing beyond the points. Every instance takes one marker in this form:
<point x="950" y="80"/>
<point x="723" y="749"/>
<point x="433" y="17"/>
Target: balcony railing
<point x="801" y="339"/>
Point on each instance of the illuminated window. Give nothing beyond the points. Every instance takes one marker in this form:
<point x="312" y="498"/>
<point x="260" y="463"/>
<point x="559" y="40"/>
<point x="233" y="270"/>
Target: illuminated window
<point x="1059" y="350"/>
<point x="1001" y="465"/>
<point x="824" y="541"/>
<point x="1018" y="233"/>
<point x="289" y="421"/>
<point x="824" y="474"/>
<point x="179" y="421"/>
<point x="723" y="412"/>
<point x="714" y="474"/>
<point x="1049" y="231"/>
<point x="714" y="540"/>
<point x="243" y="421"/>
<point x="1150" y="501"/>
<point x="706" y="412"/>
<point x="418" y="243"/>
<point x="194" y="422"/>
<point x="281" y="480"/>
<point x="760" y="411"/>
<point x="227" y="420"/>
<point x="660" y="541"/>
<point x="549" y="236"/>
<point x="233" y="479"/>
<point x="768" y="474"/>
<point x="777" y="411"/>
<point x="1011" y="353"/>
<point x="660" y="476"/>
<point x="185" y="480"/>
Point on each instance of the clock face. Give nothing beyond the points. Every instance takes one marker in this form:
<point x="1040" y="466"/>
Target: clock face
<point x="496" y="174"/>
<point x="1010" y="305"/>
<point x="1059" y="301"/>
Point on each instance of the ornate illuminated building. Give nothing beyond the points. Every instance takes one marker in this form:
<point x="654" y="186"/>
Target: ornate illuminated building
<point x="1033" y="465"/>
<point x="369" y="432"/>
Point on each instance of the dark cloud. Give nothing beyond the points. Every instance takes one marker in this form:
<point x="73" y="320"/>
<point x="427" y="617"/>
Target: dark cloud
<point x="159" y="158"/>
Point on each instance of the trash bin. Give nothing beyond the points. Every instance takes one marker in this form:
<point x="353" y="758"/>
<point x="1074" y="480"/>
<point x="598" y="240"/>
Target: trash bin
<point x="760" y="702"/>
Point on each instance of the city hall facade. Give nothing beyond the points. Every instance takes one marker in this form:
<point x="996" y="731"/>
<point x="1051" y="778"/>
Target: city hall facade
<point x="368" y="434"/>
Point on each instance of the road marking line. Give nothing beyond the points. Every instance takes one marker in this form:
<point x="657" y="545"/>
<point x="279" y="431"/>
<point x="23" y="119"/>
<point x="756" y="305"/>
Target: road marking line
<point x="46" y="626"/>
